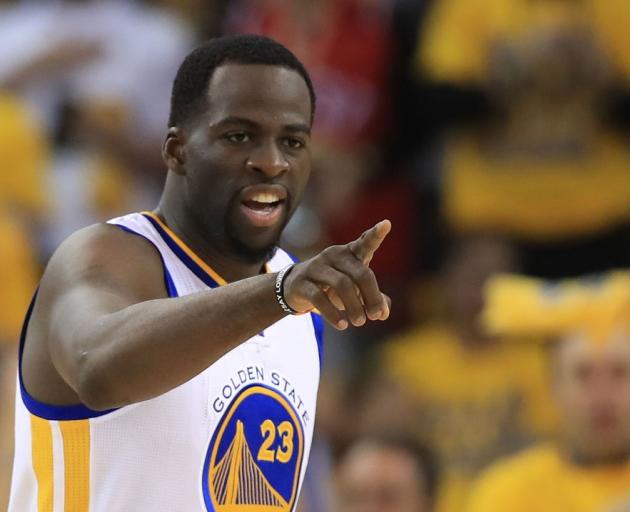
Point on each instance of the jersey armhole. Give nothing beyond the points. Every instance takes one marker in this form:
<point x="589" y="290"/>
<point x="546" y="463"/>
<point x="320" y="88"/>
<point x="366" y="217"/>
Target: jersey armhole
<point x="75" y="411"/>
<point x="42" y="409"/>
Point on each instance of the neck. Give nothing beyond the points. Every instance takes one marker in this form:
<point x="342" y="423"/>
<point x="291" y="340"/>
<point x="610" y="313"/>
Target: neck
<point x="228" y="266"/>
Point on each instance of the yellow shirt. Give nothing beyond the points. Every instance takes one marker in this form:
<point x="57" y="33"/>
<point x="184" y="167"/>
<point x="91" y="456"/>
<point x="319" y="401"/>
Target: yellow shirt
<point x="541" y="480"/>
<point x="529" y="196"/>
<point x="536" y="198"/>
<point x="472" y="405"/>
<point x="23" y="157"/>
<point x="460" y="33"/>
<point x="18" y="274"/>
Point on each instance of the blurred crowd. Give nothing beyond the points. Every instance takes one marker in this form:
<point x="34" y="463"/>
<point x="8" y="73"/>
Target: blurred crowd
<point x="494" y="134"/>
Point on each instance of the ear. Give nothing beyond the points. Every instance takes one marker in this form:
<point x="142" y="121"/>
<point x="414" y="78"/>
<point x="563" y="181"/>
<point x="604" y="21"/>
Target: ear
<point x="173" y="151"/>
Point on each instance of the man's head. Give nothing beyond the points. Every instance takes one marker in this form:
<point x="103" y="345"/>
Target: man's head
<point x="592" y="385"/>
<point x="386" y="474"/>
<point x="238" y="145"/>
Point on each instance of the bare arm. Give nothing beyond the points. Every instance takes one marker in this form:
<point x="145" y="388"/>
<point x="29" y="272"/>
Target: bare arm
<point x="115" y="339"/>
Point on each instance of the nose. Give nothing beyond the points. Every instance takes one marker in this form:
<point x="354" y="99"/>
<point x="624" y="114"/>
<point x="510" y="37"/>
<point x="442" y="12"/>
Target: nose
<point x="268" y="159"/>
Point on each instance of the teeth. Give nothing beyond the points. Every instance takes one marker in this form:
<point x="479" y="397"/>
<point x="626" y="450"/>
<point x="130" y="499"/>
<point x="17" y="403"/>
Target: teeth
<point x="265" y="198"/>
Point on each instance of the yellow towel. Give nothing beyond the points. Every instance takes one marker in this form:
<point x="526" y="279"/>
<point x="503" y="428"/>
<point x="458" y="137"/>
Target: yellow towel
<point x="518" y="305"/>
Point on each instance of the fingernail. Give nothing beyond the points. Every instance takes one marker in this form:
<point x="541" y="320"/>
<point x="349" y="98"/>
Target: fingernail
<point x="342" y="324"/>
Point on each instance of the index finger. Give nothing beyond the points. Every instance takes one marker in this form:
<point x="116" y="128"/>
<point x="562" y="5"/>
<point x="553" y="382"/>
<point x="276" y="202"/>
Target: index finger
<point x="366" y="245"/>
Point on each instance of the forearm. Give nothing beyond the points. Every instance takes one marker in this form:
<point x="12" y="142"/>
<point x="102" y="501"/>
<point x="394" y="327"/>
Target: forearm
<point x="149" y="348"/>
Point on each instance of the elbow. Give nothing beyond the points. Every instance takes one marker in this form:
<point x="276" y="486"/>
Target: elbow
<point x="95" y="386"/>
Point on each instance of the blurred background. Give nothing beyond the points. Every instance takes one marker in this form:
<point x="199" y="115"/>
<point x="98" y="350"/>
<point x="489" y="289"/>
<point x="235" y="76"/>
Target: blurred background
<point x="495" y="136"/>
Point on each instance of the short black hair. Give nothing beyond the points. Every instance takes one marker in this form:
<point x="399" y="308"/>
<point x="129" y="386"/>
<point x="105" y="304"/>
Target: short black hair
<point x="424" y="458"/>
<point x="190" y="87"/>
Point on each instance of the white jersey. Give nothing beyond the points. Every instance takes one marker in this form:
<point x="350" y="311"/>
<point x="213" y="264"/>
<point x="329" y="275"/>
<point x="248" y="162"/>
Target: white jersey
<point x="234" y="438"/>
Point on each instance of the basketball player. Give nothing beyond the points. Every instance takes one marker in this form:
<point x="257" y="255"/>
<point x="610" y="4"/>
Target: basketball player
<point x="170" y="359"/>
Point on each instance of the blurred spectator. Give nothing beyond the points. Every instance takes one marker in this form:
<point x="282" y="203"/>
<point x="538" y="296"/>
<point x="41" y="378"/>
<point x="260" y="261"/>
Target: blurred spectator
<point x="205" y="17"/>
<point x="468" y="396"/>
<point x="548" y="69"/>
<point x="386" y="474"/>
<point x="102" y="94"/>
<point x="588" y="469"/>
<point x="23" y="205"/>
<point x="317" y="493"/>
<point x="345" y="45"/>
<point x="25" y="155"/>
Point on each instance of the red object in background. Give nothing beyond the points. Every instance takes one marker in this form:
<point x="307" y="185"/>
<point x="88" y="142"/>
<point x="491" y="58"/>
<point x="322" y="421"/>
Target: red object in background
<point x="384" y="199"/>
<point x="347" y="47"/>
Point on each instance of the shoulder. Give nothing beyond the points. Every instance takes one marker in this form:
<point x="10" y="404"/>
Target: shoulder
<point x="509" y="483"/>
<point x="106" y="253"/>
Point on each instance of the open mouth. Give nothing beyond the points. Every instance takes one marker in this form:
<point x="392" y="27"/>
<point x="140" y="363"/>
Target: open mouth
<point x="264" y="208"/>
<point x="263" y="203"/>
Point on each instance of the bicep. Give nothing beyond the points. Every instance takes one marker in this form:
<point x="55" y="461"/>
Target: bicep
<point x="75" y="315"/>
<point x="88" y="281"/>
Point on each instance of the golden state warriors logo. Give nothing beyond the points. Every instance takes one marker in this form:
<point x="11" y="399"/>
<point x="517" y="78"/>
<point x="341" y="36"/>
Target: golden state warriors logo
<point x="255" y="455"/>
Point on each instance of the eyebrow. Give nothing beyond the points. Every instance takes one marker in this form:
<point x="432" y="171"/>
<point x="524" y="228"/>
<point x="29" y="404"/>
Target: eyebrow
<point x="294" y="127"/>
<point x="298" y="128"/>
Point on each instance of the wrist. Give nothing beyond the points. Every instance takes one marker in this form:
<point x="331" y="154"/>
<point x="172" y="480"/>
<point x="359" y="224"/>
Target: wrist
<point x="279" y="290"/>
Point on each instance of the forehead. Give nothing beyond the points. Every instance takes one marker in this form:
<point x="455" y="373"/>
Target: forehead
<point x="371" y="463"/>
<point x="579" y="349"/>
<point x="258" y="92"/>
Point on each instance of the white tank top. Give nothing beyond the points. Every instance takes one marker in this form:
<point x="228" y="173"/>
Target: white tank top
<point x="234" y="438"/>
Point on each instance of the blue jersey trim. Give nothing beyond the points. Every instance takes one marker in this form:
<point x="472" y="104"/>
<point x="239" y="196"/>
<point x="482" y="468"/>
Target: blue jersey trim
<point x="41" y="409"/>
<point x="318" y="327"/>
<point x="293" y="258"/>
<point x="318" y="324"/>
<point x="168" y="280"/>
<point x="186" y="260"/>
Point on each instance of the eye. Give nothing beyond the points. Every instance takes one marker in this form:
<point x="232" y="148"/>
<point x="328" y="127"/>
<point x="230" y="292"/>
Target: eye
<point x="237" y="137"/>
<point x="293" y="143"/>
<point x="583" y="373"/>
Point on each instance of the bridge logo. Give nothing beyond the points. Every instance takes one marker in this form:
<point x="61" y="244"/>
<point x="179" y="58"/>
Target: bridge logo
<point x="255" y="455"/>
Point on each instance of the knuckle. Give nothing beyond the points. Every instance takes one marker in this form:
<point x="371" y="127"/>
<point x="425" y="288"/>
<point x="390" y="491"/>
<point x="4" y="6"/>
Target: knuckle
<point x="364" y="274"/>
<point x="331" y="251"/>
<point x="318" y="294"/>
<point x="310" y="293"/>
<point x="342" y="282"/>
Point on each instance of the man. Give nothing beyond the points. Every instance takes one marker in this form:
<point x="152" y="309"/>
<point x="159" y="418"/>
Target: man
<point x="587" y="469"/>
<point x="471" y="397"/>
<point x="386" y="474"/>
<point x="147" y="381"/>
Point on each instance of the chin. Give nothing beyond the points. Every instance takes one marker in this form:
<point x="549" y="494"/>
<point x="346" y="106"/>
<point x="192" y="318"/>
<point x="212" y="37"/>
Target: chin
<point x="611" y="452"/>
<point x="246" y="253"/>
<point x="254" y="247"/>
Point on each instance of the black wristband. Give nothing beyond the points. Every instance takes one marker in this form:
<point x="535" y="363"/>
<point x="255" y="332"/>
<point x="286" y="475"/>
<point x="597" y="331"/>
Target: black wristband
<point x="279" y="289"/>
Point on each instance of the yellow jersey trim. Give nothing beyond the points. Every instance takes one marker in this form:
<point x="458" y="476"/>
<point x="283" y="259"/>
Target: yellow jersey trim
<point x="42" y="456"/>
<point x="191" y="254"/>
